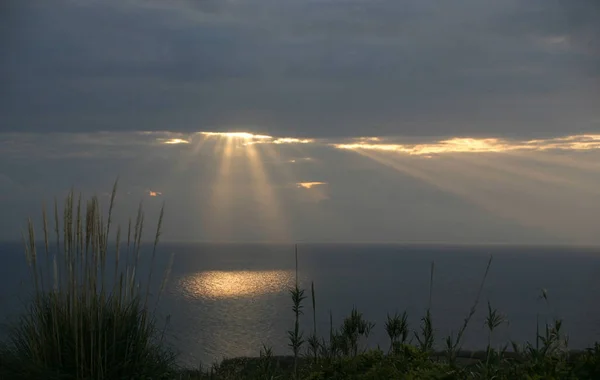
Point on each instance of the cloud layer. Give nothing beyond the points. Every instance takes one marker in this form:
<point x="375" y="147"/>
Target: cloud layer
<point x="229" y="187"/>
<point x="318" y="68"/>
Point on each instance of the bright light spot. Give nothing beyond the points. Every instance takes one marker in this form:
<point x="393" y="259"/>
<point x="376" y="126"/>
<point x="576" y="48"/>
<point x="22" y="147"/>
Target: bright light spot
<point x="154" y="193"/>
<point x="251" y="139"/>
<point x="310" y="185"/>
<point x="284" y="140"/>
<point x="302" y="159"/>
<point x="290" y="140"/>
<point x="238" y="135"/>
<point x="175" y="141"/>
<point x="221" y="284"/>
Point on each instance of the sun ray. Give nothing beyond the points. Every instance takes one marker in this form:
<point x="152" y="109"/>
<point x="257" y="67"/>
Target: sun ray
<point x="519" y="174"/>
<point x="276" y="226"/>
<point x="578" y="163"/>
<point x="273" y="153"/>
<point x="238" y="135"/>
<point x="189" y="155"/>
<point x="198" y="142"/>
<point x="218" y="219"/>
<point x="528" y="211"/>
<point x="238" y="153"/>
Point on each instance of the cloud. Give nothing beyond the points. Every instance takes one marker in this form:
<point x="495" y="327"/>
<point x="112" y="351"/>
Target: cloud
<point x="250" y="138"/>
<point x="310" y="185"/>
<point x="302" y="69"/>
<point x="174" y="141"/>
<point x="169" y="146"/>
<point x="474" y="145"/>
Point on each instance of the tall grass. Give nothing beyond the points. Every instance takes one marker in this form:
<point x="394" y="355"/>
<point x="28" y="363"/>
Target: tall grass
<point x="81" y="323"/>
<point x="314" y="344"/>
<point x="453" y="345"/>
<point x="296" y="336"/>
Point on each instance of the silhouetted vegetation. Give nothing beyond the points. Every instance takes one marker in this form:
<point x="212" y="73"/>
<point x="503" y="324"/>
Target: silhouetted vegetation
<point x="89" y="318"/>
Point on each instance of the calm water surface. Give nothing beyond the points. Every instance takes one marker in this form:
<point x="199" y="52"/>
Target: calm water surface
<point x="227" y="300"/>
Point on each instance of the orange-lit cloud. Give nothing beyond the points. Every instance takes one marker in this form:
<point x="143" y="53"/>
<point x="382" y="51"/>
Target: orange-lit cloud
<point x="238" y="135"/>
<point x="314" y="192"/>
<point x="310" y="185"/>
<point x="250" y="138"/>
<point x="283" y="140"/>
<point x="476" y="145"/>
<point x="303" y="159"/>
<point x="289" y="140"/>
<point x="424" y="149"/>
<point x="175" y="141"/>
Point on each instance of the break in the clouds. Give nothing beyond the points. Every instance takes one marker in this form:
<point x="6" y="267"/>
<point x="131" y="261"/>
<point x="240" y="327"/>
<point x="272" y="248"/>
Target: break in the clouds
<point x="245" y="187"/>
<point x="315" y="68"/>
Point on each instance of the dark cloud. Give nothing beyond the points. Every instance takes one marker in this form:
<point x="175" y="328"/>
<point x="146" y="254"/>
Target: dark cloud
<point x="310" y="68"/>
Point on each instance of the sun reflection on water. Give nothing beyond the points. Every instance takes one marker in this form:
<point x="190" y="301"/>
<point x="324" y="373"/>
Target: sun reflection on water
<point x="234" y="284"/>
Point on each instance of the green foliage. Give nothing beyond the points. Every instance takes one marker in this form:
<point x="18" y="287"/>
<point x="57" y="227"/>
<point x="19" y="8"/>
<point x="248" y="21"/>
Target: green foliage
<point x="396" y="328"/>
<point x="587" y="365"/>
<point x="427" y="335"/>
<point x="81" y="325"/>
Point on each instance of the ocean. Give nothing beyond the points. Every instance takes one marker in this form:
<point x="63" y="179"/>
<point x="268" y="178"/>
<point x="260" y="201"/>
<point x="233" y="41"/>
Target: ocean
<point x="227" y="300"/>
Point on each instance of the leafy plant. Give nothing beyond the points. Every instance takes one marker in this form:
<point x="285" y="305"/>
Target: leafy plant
<point x="397" y="330"/>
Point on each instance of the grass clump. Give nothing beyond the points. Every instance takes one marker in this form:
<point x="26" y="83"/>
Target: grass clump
<point x="81" y="323"/>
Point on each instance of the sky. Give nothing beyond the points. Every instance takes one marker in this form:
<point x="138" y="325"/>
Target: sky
<point x="467" y="121"/>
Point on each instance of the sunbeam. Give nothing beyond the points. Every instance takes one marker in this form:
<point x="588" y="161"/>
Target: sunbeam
<point x="519" y="172"/>
<point x="490" y="184"/>
<point x="276" y="226"/>
<point x="241" y="167"/>
<point x="218" y="219"/>
<point x="580" y="161"/>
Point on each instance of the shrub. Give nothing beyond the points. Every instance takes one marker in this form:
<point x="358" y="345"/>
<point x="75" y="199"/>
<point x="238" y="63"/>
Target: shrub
<point x="85" y="325"/>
